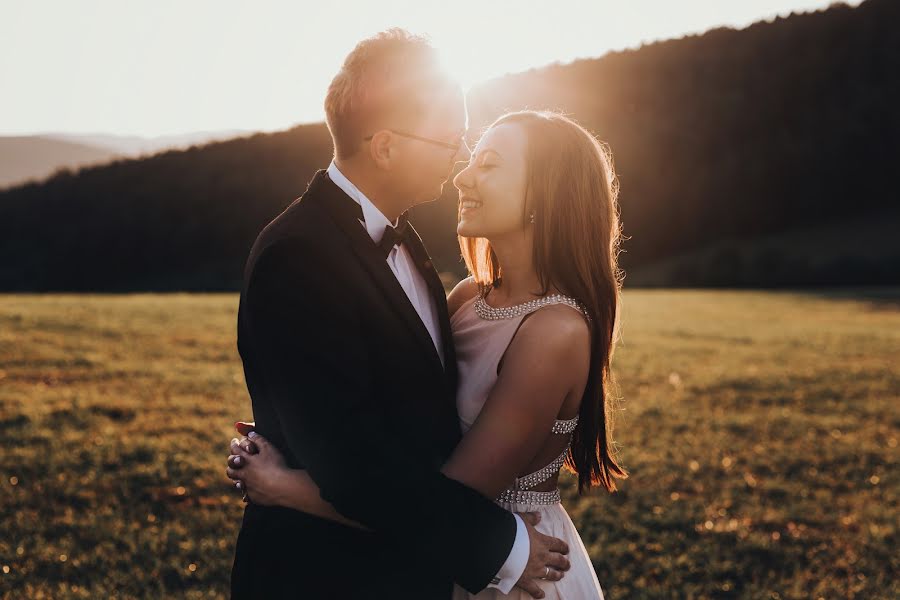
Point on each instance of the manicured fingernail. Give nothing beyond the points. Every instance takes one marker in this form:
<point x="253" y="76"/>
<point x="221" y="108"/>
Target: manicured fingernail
<point x="252" y="435"/>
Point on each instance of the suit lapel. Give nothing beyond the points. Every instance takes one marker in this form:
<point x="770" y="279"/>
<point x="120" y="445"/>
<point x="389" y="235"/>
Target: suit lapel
<point x="426" y="268"/>
<point x="344" y="210"/>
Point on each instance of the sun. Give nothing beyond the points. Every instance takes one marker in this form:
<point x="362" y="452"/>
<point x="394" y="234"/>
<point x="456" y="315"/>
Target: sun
<point x="464" y="61"/>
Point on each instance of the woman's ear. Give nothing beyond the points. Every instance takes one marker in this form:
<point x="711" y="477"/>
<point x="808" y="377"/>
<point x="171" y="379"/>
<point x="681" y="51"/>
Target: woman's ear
<point x="380" y="148"/>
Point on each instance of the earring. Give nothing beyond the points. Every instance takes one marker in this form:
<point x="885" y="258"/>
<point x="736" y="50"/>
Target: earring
<point x="532" y="218"/>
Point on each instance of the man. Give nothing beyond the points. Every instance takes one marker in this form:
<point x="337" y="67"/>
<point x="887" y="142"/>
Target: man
<point x="345" y="339"/>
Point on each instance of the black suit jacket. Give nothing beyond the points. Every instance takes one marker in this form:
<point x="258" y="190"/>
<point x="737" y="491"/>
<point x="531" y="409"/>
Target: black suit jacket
<point x="346" y="382"/>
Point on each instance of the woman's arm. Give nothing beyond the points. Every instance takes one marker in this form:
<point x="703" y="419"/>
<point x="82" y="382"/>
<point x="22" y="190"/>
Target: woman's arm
<point x="300" y="492"/>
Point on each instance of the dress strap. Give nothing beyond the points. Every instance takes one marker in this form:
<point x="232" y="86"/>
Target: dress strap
<point x="567" y="426"/>
<point x="543" y="474"/>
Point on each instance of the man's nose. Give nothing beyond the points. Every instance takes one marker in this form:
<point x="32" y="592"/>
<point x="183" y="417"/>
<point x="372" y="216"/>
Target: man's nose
<point x="461" y="181"/>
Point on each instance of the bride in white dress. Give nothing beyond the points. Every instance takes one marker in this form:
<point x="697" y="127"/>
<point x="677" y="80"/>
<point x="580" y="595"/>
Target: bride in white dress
<point x="483" y="335"/>
<point x="534" y="328"/>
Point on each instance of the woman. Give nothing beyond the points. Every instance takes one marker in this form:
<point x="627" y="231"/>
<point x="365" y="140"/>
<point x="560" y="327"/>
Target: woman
<point x="534" y="329"/>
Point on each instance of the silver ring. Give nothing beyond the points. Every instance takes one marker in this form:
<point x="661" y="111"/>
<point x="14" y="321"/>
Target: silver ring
<point x="547" y="574"/>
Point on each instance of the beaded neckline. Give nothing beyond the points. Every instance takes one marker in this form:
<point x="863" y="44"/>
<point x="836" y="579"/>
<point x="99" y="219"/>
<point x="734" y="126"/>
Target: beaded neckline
<point x="489" y="313"/>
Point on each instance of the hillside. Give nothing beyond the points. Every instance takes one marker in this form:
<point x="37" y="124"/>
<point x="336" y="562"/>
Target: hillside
<point x="35" y="157"/>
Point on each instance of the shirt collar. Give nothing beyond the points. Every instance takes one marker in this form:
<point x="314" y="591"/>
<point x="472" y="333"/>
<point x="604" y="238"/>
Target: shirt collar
<point x="375" y="221"/>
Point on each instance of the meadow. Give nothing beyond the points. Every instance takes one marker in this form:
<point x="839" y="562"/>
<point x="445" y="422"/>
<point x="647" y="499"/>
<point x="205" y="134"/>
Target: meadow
<point x="760" y="430"/>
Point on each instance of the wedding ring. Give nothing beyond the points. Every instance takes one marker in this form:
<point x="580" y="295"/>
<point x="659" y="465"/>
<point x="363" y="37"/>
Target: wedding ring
<point x="547" y="574"/>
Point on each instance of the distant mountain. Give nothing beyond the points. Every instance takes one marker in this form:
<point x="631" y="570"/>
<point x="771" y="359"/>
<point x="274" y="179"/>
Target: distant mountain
<point x="133" y="146"/>
<point x="744" y="157"/>
<point x="36" y="157"/>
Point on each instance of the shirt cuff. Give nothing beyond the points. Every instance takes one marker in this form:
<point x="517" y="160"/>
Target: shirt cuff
<point x="511" y="571"/>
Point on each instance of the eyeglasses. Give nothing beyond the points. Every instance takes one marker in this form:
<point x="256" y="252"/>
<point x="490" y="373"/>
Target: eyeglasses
<point x="455" y="147"/>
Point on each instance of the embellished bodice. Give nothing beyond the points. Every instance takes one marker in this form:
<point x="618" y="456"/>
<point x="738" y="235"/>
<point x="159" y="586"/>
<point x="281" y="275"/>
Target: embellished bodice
<point x="481" y="334"/>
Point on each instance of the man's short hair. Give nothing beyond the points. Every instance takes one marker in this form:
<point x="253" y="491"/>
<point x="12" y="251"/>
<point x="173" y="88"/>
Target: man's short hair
<point x="386" y="79"/>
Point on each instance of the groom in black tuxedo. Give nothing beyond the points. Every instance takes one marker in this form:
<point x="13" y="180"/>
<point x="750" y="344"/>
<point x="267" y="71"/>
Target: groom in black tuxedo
<point x="347" y="351"/>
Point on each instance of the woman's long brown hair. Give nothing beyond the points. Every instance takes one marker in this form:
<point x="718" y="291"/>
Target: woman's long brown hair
<point x="572" y="192"/>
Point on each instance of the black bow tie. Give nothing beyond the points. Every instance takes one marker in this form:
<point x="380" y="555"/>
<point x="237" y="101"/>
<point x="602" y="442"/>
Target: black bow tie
<point x="393" y="236"/>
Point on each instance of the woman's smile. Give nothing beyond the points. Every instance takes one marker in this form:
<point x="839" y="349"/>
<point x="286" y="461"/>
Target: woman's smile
<point x="468" y="204"/>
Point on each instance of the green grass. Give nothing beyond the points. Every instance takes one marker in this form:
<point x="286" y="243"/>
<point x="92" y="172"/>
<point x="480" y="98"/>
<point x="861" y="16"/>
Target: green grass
<point x="759" y="429"/>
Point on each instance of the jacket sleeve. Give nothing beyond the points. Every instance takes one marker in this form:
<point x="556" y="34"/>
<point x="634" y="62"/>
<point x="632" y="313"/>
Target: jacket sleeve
<point x="317" y="375"/>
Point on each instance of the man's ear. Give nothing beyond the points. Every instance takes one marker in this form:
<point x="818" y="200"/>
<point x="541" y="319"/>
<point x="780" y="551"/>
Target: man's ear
<point x="381" y="148"/>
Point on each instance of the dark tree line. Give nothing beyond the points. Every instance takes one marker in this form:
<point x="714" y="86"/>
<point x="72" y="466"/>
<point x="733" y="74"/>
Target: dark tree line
<point x="726" y="135"/>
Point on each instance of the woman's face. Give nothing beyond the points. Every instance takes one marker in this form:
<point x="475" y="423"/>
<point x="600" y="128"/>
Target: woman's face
<point x="492" y="187"/>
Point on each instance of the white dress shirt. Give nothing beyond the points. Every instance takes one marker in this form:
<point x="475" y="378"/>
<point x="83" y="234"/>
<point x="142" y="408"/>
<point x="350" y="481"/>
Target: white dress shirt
<point x="403" y="267"/>
<point x="399" y="260"/>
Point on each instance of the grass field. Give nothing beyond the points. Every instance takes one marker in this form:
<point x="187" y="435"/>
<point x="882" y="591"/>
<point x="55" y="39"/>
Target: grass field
<point x="760" y="430"/>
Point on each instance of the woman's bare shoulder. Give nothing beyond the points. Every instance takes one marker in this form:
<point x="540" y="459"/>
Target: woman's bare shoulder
<point x="464" y="291"/>
<point x="556" y="332"/>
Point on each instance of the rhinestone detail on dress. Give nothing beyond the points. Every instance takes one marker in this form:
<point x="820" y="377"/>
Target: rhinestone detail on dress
<point x="543" y="474"/>
<point x="564" y="426"/>
<point x="529" y="497"/>
<point x="489" y="313"/>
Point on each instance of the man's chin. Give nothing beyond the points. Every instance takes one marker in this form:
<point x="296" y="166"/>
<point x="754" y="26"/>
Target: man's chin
<point x="428" y="200"/>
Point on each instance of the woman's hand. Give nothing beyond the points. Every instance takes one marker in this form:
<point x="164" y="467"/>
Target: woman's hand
<point x="258" y="468"/>
<point x="262" y="474"/>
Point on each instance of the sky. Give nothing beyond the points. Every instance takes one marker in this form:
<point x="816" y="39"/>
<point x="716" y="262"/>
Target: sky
<point x="165" y="67"/>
